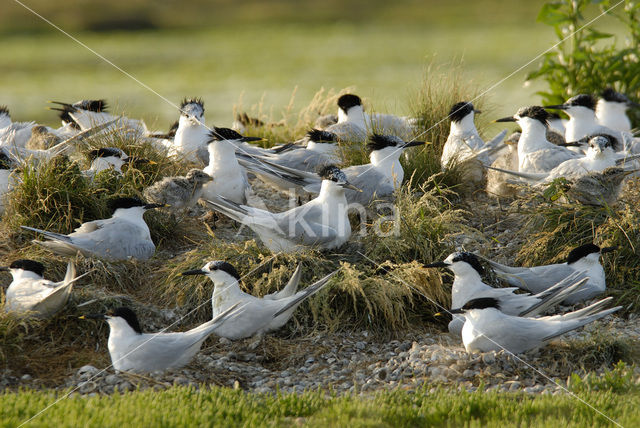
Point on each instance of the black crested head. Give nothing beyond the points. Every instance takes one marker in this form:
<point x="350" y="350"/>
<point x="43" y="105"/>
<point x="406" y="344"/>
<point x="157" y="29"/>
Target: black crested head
<point x="220" y="134"/>
<point x="482" y="303"/>
<point x="582" y="100"/>
<point x="460" y="110"/>
<point x="225" y="267"/>
<point x="333" y="173"/>
<point x="535" y="112"/>
<point x="124" y="203"/>
<point x="186" y="101"/>
<point x="319" y="136"/>
<point x="470" y="258"/>
<point x="609" y="94"/>
<point x="5" y="161"/>
<point x="129" y="316"/>
<point x="4" y="110"/>
<point x="379" y="142"/>
<point x="347" y="101"/>
<point x="30" y="265"/>
<point x="105" y="152"/>
<point x="582" y="251"/>
<point x="92" y="105"/>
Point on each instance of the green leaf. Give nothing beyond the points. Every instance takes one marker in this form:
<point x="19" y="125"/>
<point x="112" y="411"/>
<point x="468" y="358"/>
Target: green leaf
<point x="551" y="14"/>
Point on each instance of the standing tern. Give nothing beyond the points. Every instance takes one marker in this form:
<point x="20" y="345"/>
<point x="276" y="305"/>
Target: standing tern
<point x="488" y="328"/>
<point x="535" y="152"/>
<point x="178" y="193"/>
<point x="131" y="350"/>
<point x="30" y="293"/>
<point x="321" y="222"/>
<point x="536" y="279"/>
<point x="229" y="178"/>
<point x="125" y="235"/>
<point x="192" y="135"/>
<point x="351" y="126"/>
<point x="468" y="285"/>
<point x="611" y="110"/>
<point x="255" y="315"/>
<point x="464" y="142"/>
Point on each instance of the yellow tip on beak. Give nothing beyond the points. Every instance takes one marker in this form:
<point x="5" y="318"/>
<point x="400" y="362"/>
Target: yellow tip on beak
<point x="81" y="317"/>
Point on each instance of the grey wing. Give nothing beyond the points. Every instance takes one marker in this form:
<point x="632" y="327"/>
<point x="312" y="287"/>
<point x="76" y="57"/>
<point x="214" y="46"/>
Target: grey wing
<point x="116" y="240"/>
<point x="371" y="182"/>
<point x="537" y="278"/>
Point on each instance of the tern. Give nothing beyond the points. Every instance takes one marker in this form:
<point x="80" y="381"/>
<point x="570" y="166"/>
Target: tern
<point x="611" y="110"/>
<point x="321" y="222"/>
<point x="125" y="235"/>
<point x="464" y="143"/>
<point x="351" y="126"/>
<point x="321" y="149"/>
<point x="5" y="117"/>
<point x="488" y="328"/>
<point x="255" y="315"/>
<point x="599" y="157"/>
<point x="535" y="152"/>
<point x="582" y="119"/>
<point x="87" y="114"/>
<point x="191" y="137"/>
<point x="30" y="293"/>
<point x="178" y="193"/>
<point x="372" y="181"/>
<point x="229" y="178"/>
<point x="536" y="279"/>
<point x="468" y="285"/>
<point x="131" y="350"/>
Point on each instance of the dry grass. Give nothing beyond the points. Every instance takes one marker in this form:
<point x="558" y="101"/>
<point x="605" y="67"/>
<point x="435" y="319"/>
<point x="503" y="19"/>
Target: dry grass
<point x="556" y="228"/>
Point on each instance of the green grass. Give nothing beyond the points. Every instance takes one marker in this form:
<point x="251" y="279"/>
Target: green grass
<point x="260" y="66"/>
<point x="182" y="407"/>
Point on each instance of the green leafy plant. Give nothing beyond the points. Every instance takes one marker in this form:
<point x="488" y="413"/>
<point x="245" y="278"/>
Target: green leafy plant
<point x="586" y="60"/>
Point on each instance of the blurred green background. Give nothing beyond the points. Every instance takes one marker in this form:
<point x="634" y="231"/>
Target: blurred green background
<point x="249" y="53"/>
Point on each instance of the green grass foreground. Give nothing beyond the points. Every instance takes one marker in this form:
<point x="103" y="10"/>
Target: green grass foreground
<point x="184" y="406"/>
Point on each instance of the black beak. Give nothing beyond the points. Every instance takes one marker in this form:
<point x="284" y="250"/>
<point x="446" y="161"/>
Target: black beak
<point x="152" y="206"/>
<point x="413" y="144"/>
<point x="67" y="105"/>
<point x="477" y="111"/>
<point x="249" y="139"/>
<point x="436" y="264"/>
<point x="457" y="311"/>
<point x="633" y="104"/>
<point x="93" y="317"/>
<point x="506" y="119"/>
<point x="557" y="106"/>
<point x="348" y="185"/>
<point x="608" y="249"/>
<point x="4" y="269"/>
<point x="194" y="272"/>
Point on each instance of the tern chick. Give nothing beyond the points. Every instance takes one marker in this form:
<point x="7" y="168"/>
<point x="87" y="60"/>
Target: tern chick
<point x="178" y="192"/>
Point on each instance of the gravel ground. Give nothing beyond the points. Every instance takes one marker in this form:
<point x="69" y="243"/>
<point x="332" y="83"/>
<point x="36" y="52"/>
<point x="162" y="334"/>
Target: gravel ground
<point x="354" y="362"/>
